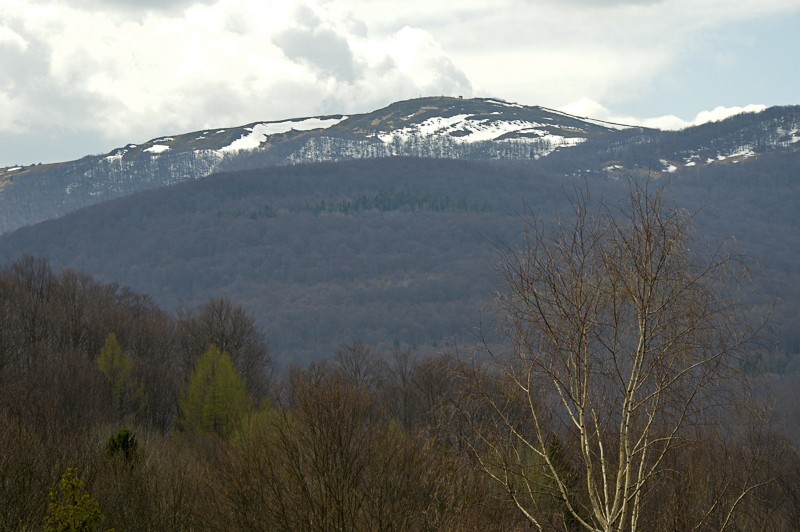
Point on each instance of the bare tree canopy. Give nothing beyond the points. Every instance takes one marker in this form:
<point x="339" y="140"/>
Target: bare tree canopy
<point x="625" y="349"/>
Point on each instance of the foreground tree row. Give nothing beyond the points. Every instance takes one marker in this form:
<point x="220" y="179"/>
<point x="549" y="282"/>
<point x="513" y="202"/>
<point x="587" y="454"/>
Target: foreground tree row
<point x="622" y="401"/>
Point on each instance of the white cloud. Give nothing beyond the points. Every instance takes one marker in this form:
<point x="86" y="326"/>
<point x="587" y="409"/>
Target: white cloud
<point x="9" y="37"/>
<point x="420" y="57"/>
<point x="552" y="52"/>
<point x="129" y="70"/>
<point x="222" y="63"/>
<point x="721" y="113"/>
<point x="586" y="107"/>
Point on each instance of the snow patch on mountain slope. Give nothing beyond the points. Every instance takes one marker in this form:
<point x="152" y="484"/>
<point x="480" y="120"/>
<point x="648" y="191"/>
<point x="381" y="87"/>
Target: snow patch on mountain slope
<point x="692" y="160"/>
<point x="157" y="148"/>
<point x="464" y="129"/>
<point x="743" y="153"/>
<point x="259" y="132"/>
<point x="116" y="155"/>
<point x="567" y="142"/>
<point x="668" y="166"/>
<point x="736" y="155"/>
<point x="504" y="104"/>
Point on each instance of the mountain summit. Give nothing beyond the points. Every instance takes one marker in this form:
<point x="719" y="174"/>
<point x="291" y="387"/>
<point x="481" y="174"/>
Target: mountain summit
<point x="439" y="127"/>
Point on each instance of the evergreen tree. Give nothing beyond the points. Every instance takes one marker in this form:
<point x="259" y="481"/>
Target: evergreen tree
<point x="216" y="399"/>
<point x="123" y="443"/>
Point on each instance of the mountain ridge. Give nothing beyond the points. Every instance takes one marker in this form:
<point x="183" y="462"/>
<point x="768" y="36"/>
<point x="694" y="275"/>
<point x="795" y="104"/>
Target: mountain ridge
<point x="485" y="129"/>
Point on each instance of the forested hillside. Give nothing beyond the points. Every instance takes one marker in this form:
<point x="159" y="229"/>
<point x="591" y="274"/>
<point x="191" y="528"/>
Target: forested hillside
<point x="393" y="251"/>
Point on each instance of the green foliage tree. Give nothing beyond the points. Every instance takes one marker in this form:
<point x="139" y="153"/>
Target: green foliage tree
<point x="216" y="399"/>
<point x="127" y="395"/>
<point x="71" y="508"/>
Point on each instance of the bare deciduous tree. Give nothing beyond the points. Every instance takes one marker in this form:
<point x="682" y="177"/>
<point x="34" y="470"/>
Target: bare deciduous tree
<point x="231" y="329"/>
<point x="623" y="349"/>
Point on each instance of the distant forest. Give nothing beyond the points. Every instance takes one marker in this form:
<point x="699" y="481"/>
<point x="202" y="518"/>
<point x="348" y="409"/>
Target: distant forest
<point x="395" y="251"/>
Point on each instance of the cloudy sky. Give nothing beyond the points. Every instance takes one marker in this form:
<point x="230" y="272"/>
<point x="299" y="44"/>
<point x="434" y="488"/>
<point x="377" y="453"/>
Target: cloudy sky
<point x="81" y="77"/>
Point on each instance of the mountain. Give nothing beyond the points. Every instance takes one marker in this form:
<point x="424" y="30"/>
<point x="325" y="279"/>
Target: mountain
<point x="383" y="250"/>
<point x="384" y="226"/>
<point x="453" y="128"/>
<point x="635" y="151"/>
<point x="391" y="251"/>
<point x="440" y="127"/>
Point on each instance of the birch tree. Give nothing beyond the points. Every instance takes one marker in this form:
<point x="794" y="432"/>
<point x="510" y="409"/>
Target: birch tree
<point x="623" y="349"/>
